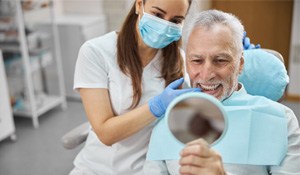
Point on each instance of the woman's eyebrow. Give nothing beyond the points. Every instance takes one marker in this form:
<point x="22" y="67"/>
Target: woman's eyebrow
<point x="159" y="9"/>
<point x="164" y="12"/>
<point x="179" y="17"/>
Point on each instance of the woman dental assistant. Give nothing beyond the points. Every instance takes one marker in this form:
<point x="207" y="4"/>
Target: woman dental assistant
<point x="126" y="80"/>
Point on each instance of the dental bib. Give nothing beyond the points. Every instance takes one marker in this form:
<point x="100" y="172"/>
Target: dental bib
<point x="256" y="133"/>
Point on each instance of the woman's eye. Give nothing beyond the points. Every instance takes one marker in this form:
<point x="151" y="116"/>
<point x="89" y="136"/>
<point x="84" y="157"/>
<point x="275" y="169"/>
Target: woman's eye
<point x="176" y="21"/>
<point x="158" y="15"/>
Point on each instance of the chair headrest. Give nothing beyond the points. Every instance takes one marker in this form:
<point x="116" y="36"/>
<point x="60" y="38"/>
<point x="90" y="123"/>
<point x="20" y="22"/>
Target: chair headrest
<point x="264" y="74"/>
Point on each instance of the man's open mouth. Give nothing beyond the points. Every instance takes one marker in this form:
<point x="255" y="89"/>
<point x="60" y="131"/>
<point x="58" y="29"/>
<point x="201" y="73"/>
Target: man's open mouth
<point x="206" y="87"/>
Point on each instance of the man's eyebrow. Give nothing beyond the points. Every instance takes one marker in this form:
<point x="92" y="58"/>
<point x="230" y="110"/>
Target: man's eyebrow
<point x="195" y="56"/>
<point x="164" y="12"/>
<point x="225" y="55"/>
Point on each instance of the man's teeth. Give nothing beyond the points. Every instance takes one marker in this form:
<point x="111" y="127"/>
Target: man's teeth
<point x="209" y="87"/>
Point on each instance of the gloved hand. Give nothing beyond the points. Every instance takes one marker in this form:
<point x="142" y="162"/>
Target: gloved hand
<point x="159" y="104"/>
<point x="247" y="44"/>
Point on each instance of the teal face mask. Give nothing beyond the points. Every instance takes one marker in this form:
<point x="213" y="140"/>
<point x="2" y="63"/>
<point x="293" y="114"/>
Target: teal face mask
<point x="158" y="33"/>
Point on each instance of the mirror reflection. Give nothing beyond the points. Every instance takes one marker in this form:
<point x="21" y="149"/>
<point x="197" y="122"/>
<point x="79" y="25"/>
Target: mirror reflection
<point x="194" y="118"/>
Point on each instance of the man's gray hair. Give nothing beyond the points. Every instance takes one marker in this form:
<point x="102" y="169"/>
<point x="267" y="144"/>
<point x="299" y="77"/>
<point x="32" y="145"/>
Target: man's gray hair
<point x="209" y="18"/>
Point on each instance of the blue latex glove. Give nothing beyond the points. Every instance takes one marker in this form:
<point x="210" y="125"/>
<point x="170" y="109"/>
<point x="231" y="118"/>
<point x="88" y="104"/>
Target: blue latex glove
<point x="159" y="104"/>
<point x="247" y="44"/>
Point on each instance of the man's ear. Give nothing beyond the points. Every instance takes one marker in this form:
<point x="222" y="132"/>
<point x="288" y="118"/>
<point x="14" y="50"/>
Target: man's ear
<point x="241" y="63"/>
<point x="138" y="6"/>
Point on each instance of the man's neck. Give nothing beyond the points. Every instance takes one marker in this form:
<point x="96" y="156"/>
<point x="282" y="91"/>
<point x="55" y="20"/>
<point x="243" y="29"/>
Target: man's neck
<point x="238" y="87"/>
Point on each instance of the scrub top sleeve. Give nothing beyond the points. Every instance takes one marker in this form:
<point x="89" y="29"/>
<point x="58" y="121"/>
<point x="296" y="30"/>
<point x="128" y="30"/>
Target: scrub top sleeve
<point x="91" y="70"/>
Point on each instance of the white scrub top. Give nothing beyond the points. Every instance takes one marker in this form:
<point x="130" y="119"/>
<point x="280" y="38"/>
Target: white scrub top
<point x="97" y="67"/>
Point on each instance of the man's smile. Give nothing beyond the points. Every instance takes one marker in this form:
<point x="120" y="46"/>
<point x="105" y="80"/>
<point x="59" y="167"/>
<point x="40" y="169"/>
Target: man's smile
<point x="212" y="89"/>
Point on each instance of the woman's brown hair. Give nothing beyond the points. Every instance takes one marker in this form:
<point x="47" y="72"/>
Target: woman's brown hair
<point x="130" y="63"/>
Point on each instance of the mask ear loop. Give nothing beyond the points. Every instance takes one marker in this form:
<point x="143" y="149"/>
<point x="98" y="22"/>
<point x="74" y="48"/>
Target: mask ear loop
<point x="142" y="9"/>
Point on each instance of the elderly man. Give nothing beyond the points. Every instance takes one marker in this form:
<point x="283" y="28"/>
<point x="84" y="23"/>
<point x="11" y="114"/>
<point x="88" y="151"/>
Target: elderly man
<point x="214" y="59"/>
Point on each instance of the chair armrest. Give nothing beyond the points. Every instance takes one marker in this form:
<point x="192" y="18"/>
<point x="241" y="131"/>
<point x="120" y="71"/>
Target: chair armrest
<point x="76" y="136"/>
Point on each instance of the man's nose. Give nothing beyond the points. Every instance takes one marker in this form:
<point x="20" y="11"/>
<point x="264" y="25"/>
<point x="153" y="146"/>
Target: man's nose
<point x="208" y="71"/>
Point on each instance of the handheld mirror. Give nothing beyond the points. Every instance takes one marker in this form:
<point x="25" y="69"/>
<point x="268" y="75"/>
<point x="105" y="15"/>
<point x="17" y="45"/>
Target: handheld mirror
<point x="196" y="115"/>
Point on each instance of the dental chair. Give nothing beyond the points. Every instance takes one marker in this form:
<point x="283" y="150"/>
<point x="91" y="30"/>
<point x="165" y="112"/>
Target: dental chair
<point x="264" y="74"/>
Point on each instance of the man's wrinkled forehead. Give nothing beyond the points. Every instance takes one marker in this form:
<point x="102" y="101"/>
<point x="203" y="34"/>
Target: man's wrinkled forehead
<point x="216" y="38"/>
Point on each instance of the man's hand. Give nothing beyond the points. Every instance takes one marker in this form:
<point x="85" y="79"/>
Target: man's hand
<point x="197" y="158"/>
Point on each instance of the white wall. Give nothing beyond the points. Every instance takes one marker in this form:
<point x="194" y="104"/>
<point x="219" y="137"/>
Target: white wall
<point x="294" y="60"/>
<point x="114" y="10"/>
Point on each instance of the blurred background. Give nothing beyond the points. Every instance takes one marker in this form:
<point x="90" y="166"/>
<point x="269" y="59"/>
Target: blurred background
<point x="39" y="43"/>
